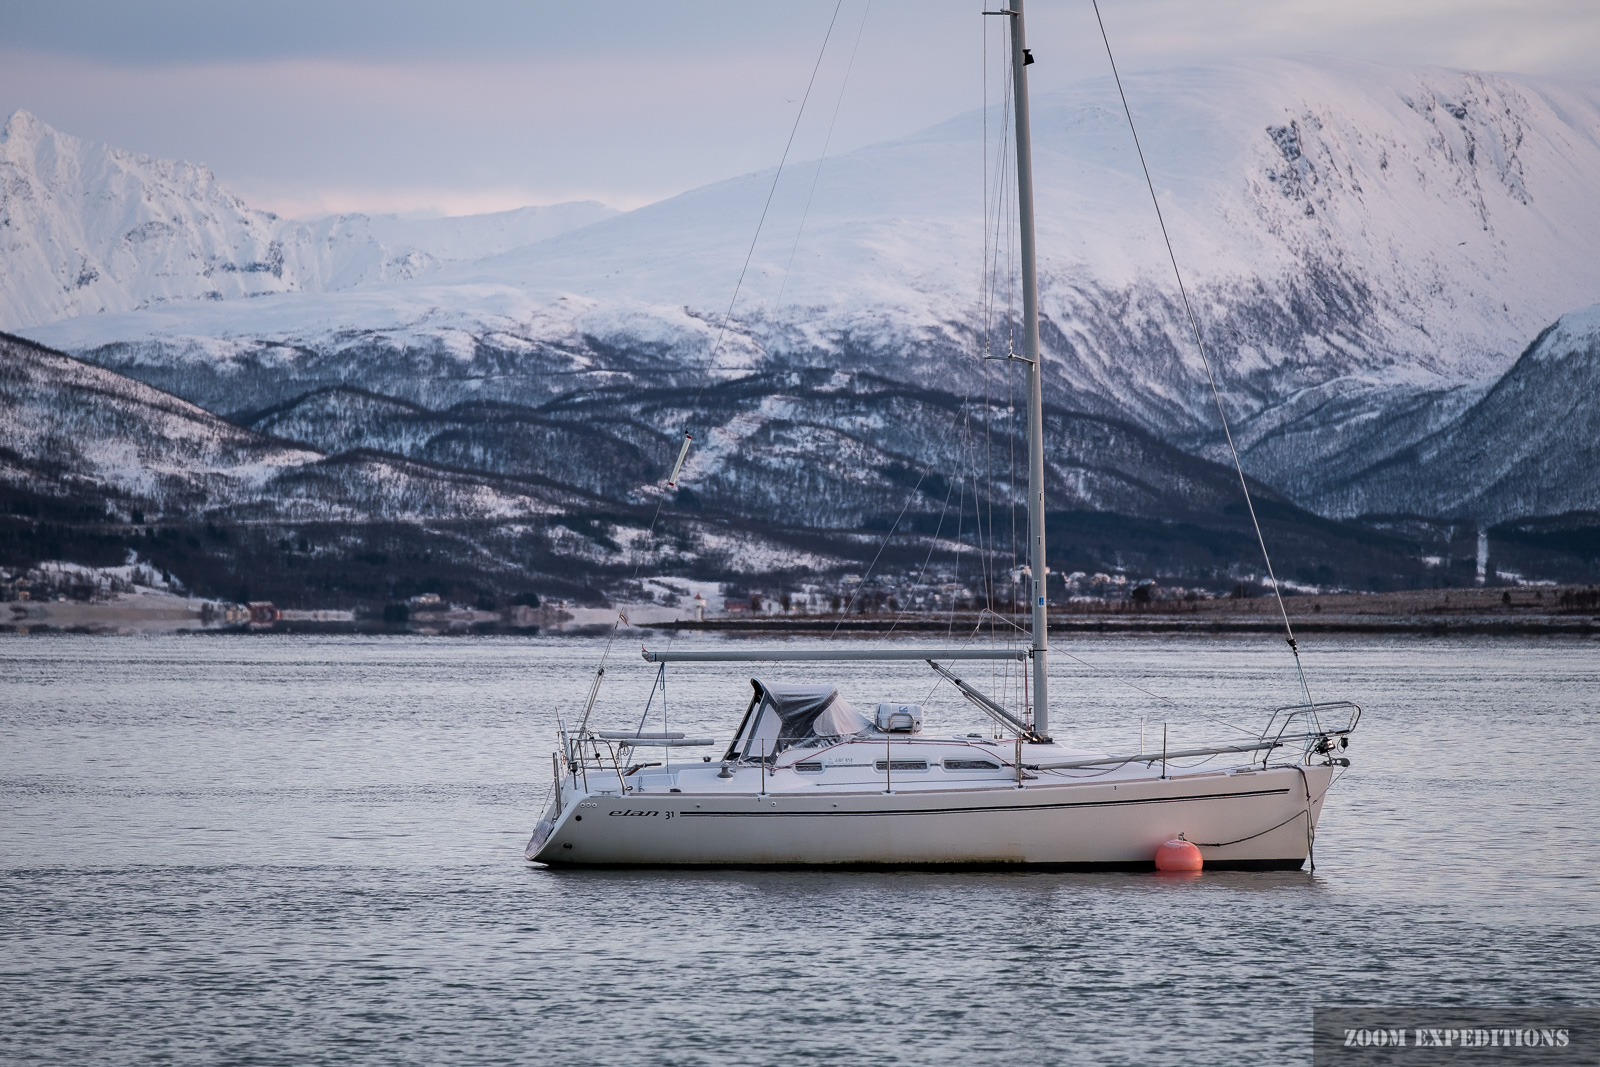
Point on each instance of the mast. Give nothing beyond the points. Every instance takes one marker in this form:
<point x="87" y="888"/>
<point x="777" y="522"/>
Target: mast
<point x="1020" y="58"/>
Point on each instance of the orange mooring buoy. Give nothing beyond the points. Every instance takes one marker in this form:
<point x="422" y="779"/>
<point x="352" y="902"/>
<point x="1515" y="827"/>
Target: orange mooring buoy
<point x="1178" y="855"/>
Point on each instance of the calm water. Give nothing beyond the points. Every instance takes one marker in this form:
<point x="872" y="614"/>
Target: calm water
<point x="277" y="849"/>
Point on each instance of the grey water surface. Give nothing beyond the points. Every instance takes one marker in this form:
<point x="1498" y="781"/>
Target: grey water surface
<point x="274" y="849"/>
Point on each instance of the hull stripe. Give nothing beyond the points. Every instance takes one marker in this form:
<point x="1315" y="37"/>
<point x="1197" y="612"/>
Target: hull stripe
<point x="993" y="809"/>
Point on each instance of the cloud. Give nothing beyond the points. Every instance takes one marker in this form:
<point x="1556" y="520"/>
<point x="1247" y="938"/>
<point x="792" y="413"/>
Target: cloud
<point x="405" y="105"/>
<point x="419" y="202"/>
<point x="1552" y="37"/>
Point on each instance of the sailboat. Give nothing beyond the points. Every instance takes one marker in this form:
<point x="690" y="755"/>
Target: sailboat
<point x="808" y="779"/>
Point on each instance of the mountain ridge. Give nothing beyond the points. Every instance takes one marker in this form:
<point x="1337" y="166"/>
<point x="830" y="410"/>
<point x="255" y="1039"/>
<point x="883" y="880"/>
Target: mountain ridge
<point x="1525" y="447"/>
<point x="1367" y="247"/>
<point x="89" y="229"/>
<point x="403" y="500"/>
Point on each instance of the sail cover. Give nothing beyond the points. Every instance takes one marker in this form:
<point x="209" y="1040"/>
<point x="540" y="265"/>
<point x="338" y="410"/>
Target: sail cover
<point x="781" y="716"/>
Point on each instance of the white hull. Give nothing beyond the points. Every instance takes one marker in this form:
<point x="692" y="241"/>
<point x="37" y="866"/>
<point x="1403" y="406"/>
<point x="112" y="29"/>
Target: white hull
<point x="1110" y="821"/>
<point x="807" y="781"/>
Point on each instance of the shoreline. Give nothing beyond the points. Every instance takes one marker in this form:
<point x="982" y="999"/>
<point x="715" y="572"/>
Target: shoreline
<point x="1476" y="610"/>
<point x="1514" y="610"/>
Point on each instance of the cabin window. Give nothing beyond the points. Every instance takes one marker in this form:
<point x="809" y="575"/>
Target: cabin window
<point x="809" y="767"/>
<point x="902" y="765"/>
<point x="971" y="765"/>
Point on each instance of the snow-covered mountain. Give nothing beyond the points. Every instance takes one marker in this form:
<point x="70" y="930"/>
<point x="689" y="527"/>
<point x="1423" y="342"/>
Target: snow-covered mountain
<point x="830" y="450"/>
<point x="1335" y="219"/>
<point x="115" y="465"/>
<point x="346" y="494"/>
<point x="1369" y="248"/>
<point x="70" y="426"/>
<point x="74" y="430"/>
<point x="1412" y="226"/>
<point x="1529" y="446"/>
<point x="87" y="229"/>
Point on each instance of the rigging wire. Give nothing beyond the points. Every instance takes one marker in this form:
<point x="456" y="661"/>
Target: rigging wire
<point x="997" y="221"/>
<point x="1011" y="477"/>
<point x="961" y="515"/>
<point x="970" y="461"/>
<point x="826" y="141"/>
<point x="1122" y="680"/>
<point x="922" y="575"/>
<point x="722" y="331"/>
<point x="1000" y="263"/>
<point x="756" y="237"/>
<point x="927" y="469"/>
<point x="1004" y="223"/>
<point x="988" y="394"/>
<point x="1205" y="360"/>
<point x="966" y="398"/>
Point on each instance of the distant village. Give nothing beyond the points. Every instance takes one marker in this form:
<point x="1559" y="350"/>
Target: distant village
<point x="1006" y="593"/>
<point x="138" y="597"/>
<point x="65" y="593"/>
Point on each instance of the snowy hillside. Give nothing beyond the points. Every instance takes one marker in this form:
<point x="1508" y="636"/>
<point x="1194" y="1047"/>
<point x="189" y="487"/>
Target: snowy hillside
<point x="1528" y="447"/>
<point x="106" y="460"/>
<point x="74" y="430"/>
<point x="70" y="426"/>
<point x="798" y="476"/>
<point x="841" y="451"/>
<point x="1337" y="219"/>
<point x="1369" y="248"/>
<point x="86" y="229"/>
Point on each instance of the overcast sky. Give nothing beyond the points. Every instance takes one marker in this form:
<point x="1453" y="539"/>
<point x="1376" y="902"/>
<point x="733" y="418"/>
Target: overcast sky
<point x="307" y="106"/>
